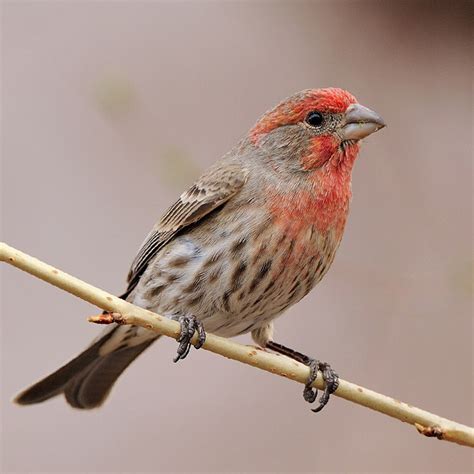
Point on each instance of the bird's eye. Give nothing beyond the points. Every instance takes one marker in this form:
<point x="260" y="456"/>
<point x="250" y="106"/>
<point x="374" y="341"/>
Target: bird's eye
<point x="315" y="119"/>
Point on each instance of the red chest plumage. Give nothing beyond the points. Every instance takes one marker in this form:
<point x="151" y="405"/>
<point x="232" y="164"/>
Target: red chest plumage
<point x="324" y="208"/>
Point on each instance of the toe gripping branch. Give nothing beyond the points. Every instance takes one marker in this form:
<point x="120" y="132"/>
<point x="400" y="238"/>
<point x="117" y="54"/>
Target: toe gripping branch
<point x="331" y="379"/>
<point x="189" y="324"/>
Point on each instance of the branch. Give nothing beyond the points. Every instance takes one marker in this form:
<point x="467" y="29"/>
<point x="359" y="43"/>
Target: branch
<point x="426" y="423"/>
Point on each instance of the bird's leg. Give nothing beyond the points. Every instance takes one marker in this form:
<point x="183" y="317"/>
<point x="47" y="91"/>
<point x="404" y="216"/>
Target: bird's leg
<point x="331" y="379"/>
<point x="189" y="324"/>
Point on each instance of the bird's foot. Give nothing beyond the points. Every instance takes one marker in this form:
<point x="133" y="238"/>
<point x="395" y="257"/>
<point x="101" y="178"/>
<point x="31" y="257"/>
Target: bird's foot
<point x="331" y="382"/>
<point x="331" y="379"/>
<point x="189" y="324"/>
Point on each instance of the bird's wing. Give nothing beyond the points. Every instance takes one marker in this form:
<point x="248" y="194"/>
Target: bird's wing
<point x="210" y="191"/>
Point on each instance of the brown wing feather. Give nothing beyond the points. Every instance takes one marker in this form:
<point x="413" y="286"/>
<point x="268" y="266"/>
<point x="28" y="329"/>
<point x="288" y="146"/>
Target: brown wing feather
<point x="213" y="189"/>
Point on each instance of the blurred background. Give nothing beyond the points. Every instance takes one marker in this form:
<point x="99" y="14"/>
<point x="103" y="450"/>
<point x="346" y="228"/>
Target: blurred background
<point x="110" y="109"/>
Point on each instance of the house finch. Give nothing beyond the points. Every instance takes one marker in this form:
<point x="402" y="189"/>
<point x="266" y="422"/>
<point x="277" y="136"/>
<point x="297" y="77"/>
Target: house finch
<point x="251" y="237"/>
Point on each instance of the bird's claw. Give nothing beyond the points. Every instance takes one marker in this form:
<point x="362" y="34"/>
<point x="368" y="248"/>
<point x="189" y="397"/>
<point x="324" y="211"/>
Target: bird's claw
<point x="189" y="324"/>
<point x="331" y="382"/>
<point x="331" y="379"/>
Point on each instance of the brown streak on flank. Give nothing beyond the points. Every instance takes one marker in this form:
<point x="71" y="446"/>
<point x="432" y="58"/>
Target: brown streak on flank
<point x="309" y="282"/>
<point x="214" y="275"/>
<point x="236" y="278"/>
<point x="154" y="292"/>
<point x="284" y="260"/>
<point x="314" y="280"/>
<point x="294" y="290"/>
<point x="202" y="275"/>
<point x="323" y="268"/>
<point x="225" y="300"/>
<point x="269" y="286"/>
<point x="281" y="239"/>
<point x="329" y="243"/>
<point x="171" y="277"/>
<point x="179" y="262"/>
<point x="174" y="302"/>
<point x="193" y="286"/>
<point x="260" y="253"/>
<point x="295" y="286"/>
<point x="264" y="269"/>
<point x="238" y="245"/>
<point x="255" y="304"/>
<point x="286" y="256"/>
<point x="264" y="226"/>
<point x="215" y="257"/>
<point x="282" y="307"/>
<point x="276" y="291"/>
<point x="196" y="299"/>
<point x="258" y="236"/>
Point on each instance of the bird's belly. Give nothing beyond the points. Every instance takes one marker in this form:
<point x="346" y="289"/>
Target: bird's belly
<point x="238" y="283"/>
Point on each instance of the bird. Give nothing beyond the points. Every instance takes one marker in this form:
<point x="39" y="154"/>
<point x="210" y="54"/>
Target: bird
<point x="250" y="238"/>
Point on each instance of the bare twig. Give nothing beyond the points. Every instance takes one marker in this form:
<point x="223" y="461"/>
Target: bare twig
<point x="123" y="312"/>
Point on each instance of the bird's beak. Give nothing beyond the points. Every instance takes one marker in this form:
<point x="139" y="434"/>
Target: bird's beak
<point x="359" y="122"/>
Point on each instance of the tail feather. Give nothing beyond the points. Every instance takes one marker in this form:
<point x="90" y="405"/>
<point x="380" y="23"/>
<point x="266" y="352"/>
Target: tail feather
<point x="87" y="379"/>
<point x="91" y="387"/>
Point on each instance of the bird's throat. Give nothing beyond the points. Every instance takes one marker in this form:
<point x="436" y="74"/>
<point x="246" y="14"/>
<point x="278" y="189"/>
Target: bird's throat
<point x="324" y="207"/>
<point x="327" y="150"/>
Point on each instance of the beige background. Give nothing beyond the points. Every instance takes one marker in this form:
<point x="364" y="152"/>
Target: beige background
<point x="110" y="109"/>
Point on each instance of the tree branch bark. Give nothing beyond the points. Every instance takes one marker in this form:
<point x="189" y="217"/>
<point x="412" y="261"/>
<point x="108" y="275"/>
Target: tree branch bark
<point x="426" y="423"/>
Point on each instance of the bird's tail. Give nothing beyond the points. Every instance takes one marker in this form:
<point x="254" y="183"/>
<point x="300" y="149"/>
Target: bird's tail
<point x="87" y="379"/>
